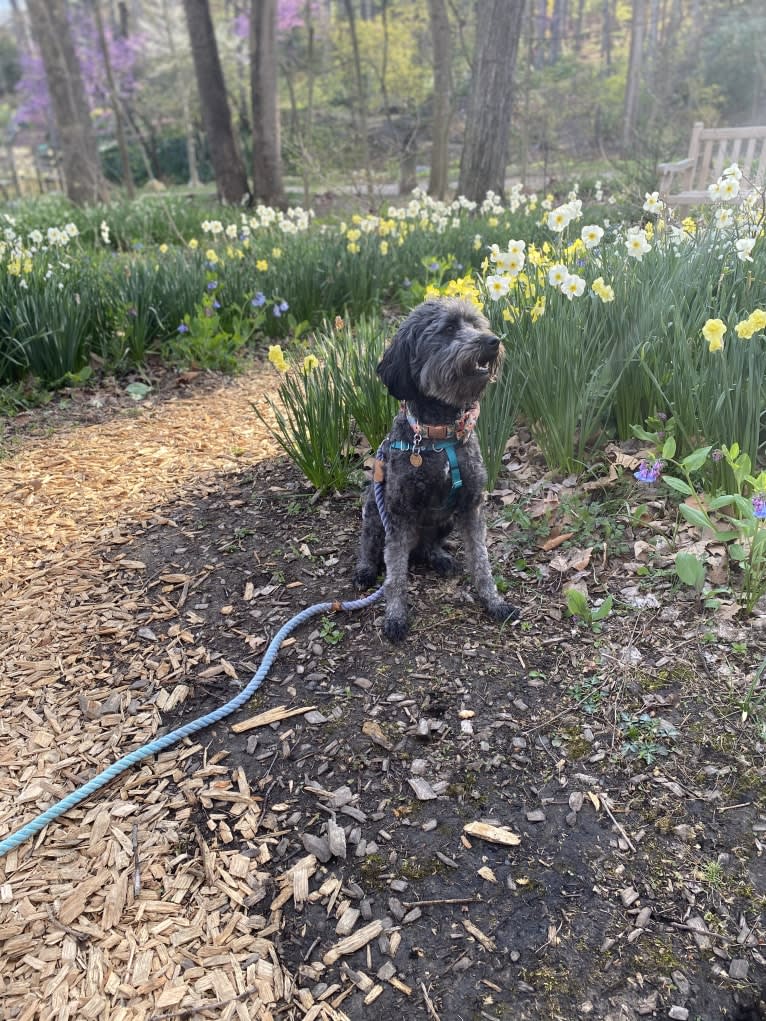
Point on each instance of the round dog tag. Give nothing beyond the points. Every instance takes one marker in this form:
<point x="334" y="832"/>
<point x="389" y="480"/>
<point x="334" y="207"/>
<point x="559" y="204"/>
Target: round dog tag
<point x="416" y="459"/>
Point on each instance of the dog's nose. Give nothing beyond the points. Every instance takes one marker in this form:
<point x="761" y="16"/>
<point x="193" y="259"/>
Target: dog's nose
<point x="490" y="341"/>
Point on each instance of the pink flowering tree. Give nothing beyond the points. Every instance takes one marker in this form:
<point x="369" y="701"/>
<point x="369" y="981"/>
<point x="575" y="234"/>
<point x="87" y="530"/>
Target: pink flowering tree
<point x="32" y="90"/>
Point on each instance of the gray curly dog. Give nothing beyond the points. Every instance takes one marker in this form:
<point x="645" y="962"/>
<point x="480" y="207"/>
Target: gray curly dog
<point x="438" y="365"/>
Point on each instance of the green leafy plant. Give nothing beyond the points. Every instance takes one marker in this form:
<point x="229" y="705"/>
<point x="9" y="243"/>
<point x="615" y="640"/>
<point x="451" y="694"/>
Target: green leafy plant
<point x="578" y="606"/>
<point x="351" y="352"/>
<point x="646" y="737"/>
<point x="311" y="422"/>
<point x="691" y="570"/>
<point x="733" y="518"/>
<point x="202" y="342"/>
<point x="329" y="631"/>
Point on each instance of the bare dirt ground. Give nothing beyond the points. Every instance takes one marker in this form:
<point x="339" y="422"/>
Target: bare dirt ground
<point x="559" y="819"/>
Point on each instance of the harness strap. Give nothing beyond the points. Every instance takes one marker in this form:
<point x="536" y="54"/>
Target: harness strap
<point x="448" y="446"/>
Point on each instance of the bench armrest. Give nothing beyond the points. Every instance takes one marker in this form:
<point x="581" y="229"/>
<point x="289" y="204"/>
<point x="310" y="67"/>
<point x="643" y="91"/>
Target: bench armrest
<point x="672" y="168"/>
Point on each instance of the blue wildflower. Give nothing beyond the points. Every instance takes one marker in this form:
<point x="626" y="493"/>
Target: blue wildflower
<point x="277" y="311"/>
<point x="183" y="328"/>
<point x="433" y="266"/>
<point x="259" y="300"/>
<point x="759" y="505"/>
<point x="216" y="304"/>
<point x="283" y="306"/>
<point x="212" y="285"/>
<point x="649" y="472"/>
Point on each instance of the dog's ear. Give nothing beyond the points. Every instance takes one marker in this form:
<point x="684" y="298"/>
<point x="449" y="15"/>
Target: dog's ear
<point x="394" y="367"/>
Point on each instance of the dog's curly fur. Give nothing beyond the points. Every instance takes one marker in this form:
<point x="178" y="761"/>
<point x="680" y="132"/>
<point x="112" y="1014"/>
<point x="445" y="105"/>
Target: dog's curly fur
<point x="439" y="363"/>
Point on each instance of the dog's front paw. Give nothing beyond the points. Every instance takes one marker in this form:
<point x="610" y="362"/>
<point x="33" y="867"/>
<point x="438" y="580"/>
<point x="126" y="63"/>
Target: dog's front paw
<point x="502" y="612"/>
<point x="364" y="576"/>
<point x="395" y="627"/>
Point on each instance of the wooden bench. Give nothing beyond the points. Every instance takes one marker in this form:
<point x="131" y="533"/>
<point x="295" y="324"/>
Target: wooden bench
<point x="711" y="150"/>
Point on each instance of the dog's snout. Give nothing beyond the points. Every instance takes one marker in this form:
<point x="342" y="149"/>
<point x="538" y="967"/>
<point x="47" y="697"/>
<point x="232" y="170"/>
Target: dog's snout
<point x="490" y="341"/>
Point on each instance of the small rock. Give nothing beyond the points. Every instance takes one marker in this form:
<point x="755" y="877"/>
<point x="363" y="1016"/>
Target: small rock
<point x="347" y="921"/>
<point x="396" y="908"/>
<point x="685" y="832"/>
<point x="336" y="839"/>
<point x="386" y="971"/>
<point x="536" y="815"/>
<point x="648" y="1005"/>
<point x="738" y="970"/>
<point x="412" y="916"/>
<point x="699" y="931"/>
<point x="629" y="896"/>
<point x="314" y="717"/>
<point x="422" y="788"/>
<point x="317" y="846"/>
<point x="576" y="800"/>
<point x="429" y="824"/>
<point x="681" y="982"/>
<point x="642" y="918"/>
<point x="398" y="885"/>
<point x="678" y="1013"/>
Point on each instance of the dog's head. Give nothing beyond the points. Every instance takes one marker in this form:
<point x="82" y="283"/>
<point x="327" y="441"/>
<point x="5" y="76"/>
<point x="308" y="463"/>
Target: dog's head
<point x="445" y="350"/>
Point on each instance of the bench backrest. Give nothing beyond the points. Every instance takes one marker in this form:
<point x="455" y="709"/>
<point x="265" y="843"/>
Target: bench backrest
<point x="714" y="149"/>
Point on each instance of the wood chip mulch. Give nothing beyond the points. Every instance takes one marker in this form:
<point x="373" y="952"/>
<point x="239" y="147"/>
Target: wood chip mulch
<point x="84" y="932"/>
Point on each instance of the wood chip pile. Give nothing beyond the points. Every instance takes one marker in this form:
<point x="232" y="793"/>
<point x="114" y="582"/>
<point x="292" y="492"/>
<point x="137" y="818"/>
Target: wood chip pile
<point x="108" y="914"/>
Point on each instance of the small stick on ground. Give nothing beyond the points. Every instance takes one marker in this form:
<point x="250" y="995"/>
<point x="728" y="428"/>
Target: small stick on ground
<point x="429" y="1005"/>
<point x="440" y="900"/>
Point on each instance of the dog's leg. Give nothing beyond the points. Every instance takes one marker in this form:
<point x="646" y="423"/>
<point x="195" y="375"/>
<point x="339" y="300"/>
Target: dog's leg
<point x="399" y="541"/>
<point x="370" y="559"/>
<point x="475" y="542"/>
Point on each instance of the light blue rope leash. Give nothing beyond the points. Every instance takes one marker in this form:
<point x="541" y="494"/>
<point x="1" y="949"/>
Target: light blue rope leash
<point x="160" y="743"/>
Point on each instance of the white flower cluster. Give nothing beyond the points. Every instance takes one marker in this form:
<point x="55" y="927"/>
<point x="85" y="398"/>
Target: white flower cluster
<point x="15" y="246"/>
<point x="726" y="188"/>
<point x="294" y="220"/>
<point x="558" y="219"/>
<point x="570" y="284"/>
<point x="509" y="264"/>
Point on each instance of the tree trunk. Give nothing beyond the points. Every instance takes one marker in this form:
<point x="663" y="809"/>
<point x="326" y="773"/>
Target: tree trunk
<point x="633" y="81"/>
<point x="114" y="99"/>
<point x="442" y="99"/>
<point x="229" y="170"/>
<point x="267" y="154"/>
<point x="191" y="147"/>
<point x="490" y="102"/>
<point x="558" y="25"/>
<point x="81" y="166"/>
<point x="20" y="28"/>
<point x="361" y="98"/>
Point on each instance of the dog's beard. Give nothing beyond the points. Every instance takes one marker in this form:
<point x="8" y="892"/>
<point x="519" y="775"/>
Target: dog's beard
<point x="458" y="373"/>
